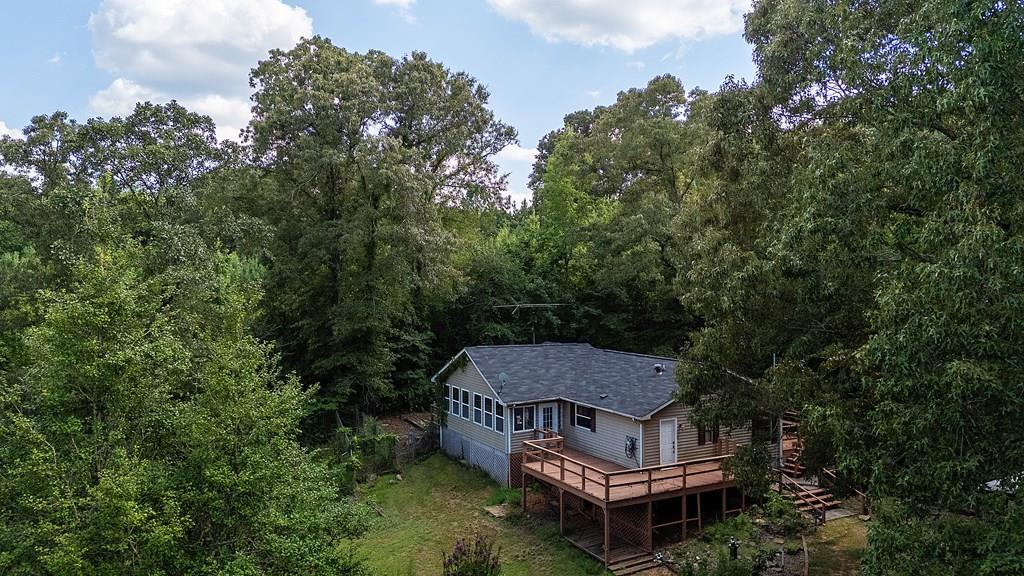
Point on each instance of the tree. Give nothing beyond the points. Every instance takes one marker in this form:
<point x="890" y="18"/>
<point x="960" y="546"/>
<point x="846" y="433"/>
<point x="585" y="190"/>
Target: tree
<point x="150" y="433"/>
<point x="884" y="273"/>
<point x="365" y="152"/>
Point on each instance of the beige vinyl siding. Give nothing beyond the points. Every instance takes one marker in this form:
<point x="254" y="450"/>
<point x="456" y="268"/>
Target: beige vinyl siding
<point x="686" y="444"/>
<point x="468" y="378"/>
<point x="518" y="437"/>
<point x="609" y="441"/>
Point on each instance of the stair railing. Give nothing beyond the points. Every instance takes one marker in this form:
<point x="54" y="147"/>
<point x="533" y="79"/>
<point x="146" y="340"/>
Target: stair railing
<point x="813" y="500"/>
<point x="833" y="479"/>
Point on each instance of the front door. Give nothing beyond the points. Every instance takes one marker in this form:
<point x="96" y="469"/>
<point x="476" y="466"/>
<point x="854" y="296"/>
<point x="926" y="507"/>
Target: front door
<point x="548" y="418"/>
<point x="668" y="441"/>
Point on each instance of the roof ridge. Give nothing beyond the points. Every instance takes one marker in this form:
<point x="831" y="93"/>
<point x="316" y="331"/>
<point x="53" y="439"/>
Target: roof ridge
<point x="587" y="344"/>
<point x="640" y="355"/>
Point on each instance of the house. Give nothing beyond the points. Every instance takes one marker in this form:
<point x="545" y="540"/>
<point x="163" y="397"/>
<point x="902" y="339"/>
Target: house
<point x="601" y="428"/>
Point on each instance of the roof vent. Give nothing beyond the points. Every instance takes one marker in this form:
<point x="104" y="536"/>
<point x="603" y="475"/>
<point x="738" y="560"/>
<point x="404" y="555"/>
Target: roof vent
<point x="603" y="396"/>
<point x="659" y="368"/>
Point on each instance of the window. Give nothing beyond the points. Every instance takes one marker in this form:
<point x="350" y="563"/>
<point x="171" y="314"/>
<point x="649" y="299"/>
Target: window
<point x="707" y="434"/>
<point x="585" y="417"/>
<point x="499" y="417"/>
<point x="478" y="409"/>
<point x="455" y="401"/>
<point x="465" y="404"/>
<point x="522" y="418"/>
<point x="488" y="413"/>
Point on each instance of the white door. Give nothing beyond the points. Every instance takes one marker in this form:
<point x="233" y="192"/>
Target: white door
<point x="668" y="441"/>
<point x="548" y="418"/>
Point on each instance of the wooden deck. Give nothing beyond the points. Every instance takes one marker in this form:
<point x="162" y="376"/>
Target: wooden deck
<point x="605" y="482"/>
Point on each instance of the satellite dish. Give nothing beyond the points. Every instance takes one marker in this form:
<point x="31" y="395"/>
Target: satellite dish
<point x="502" y="380"/>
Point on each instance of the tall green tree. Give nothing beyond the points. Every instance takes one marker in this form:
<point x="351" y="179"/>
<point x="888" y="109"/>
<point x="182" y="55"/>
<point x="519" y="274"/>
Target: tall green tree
<point x="149" y="433"/>
<point x="883" y="272"/>
<point x="364" y="151"/>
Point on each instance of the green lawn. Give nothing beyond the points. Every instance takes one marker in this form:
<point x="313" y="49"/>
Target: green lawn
<point x="439" y="501"/>
<point x="835" y="549"/>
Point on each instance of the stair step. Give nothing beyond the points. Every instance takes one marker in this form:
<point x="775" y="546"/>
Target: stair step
<point x="635" y="569"/>
<point x="829" y="504"/>
<point x="633" y="564"/>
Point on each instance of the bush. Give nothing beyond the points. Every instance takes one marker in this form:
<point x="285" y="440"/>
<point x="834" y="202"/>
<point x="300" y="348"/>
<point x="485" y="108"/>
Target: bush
<point x="751" y="468"/>
<point x="782" y="517"/>
<point x="478" y="559"/>
<point x="741" y="528"/>
<point x="715" y="566"/>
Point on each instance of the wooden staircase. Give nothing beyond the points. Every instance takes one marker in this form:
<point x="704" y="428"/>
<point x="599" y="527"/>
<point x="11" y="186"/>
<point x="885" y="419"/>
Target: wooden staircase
<point x="811" y="498"/>
<point x="806" y="497"/>
<point x="792" y="467"/>
<point x="634" y="564"/>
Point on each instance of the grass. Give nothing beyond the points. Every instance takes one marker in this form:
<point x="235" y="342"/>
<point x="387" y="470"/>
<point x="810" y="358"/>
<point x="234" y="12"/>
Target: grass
<point x="439" y="501"/>
<point x="836" y="548"/>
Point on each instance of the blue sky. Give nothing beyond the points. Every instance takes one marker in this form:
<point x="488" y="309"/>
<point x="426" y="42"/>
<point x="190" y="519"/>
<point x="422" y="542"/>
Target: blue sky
<point x="541" y="59"/>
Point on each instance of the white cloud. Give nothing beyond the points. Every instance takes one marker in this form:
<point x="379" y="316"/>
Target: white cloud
<point x="203" y="45"/>
<point x="594" y="94"/>
<point x="230" y="114"/>
<point x="399" y="3"/>
<point x="120" y="98"/>
<point x="55" y="59"/>
<point x="516" y="153"/>
<point x="7" y="131"/>
<point x="196" y="51"/>
<point x="518" y="163"/>
<point x="638" y="64"/>
<point x="628" y="26"/>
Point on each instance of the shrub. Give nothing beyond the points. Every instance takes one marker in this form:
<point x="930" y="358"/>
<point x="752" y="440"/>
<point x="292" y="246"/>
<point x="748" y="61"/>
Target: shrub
<point x="741" y="528"/>
<point x="782" y="517"/>
<point x="751" y="468"/>
<point x="478" y="559"/>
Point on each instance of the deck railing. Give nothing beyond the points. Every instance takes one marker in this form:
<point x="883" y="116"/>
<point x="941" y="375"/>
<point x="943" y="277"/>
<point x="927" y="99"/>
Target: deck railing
<point x="617" y="485"/>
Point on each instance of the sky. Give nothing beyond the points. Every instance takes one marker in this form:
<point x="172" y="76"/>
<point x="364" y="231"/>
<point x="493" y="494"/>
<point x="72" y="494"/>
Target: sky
<point x="540" y="59"/>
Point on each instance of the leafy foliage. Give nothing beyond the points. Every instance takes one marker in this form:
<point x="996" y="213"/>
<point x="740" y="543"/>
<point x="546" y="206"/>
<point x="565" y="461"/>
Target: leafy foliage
<point x="476" y="559"/>
<point x="750" y="467"/>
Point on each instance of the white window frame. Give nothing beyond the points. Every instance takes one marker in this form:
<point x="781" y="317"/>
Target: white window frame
<point x="465" y="405"/>
<point x="497" y="417"/>
<point x="455" y="403"/>
<point x="533" y="418"/>
<point x="489" y="412"/>
<point x="478" y="409"/>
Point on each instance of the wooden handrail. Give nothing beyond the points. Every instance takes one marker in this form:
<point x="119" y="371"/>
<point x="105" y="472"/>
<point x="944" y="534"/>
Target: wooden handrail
<point x="802" y="494"/>
<point x="648" y="475"/>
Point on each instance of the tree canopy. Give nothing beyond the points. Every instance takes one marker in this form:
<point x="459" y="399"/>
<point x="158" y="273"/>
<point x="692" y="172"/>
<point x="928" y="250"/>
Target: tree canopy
<point x="183" y="322"/>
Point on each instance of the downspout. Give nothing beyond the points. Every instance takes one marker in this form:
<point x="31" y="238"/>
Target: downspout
<point x="641" y="444"/>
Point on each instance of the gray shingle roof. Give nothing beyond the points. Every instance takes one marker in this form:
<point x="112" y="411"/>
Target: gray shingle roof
<point x="579" y="373"/>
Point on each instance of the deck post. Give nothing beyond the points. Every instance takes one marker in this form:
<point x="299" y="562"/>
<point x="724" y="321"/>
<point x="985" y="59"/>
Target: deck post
<point x="607" y="537"/>
<point x="561" y="511"/>
<point x="700" y="515"/>
<point x="685" y="496"/>
<point x="650" y="528"/>
<point x="723" y="504"/>
<point x="524" y="489"/>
